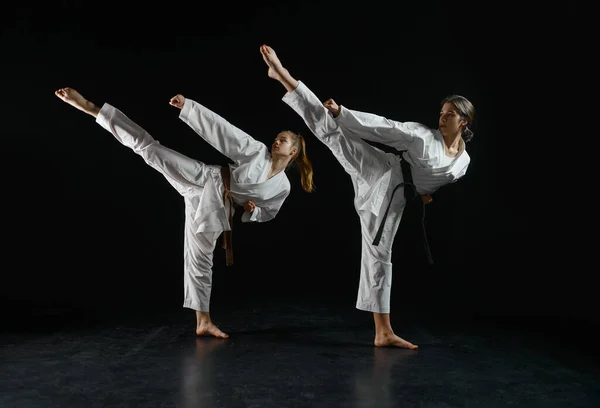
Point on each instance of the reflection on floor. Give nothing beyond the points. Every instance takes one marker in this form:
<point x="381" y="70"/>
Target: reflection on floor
<point x="288" y="354"/>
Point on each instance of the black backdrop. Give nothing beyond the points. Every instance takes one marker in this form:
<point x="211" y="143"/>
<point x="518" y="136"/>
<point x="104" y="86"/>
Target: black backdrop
<point x="88" y="224"/>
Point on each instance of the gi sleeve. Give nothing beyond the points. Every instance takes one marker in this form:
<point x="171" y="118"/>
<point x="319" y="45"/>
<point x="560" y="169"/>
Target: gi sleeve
<point x="368" y="126"/>
<point x="222" y="135"/>
<point x="267" y="210"/>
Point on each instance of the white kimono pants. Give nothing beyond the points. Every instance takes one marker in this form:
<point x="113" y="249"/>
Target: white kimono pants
<point x="366" y="165"/>
<point x="188" y="177"/>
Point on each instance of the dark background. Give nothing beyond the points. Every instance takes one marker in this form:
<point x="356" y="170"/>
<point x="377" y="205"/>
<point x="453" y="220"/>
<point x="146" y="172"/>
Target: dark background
<point x="88" y="226"/>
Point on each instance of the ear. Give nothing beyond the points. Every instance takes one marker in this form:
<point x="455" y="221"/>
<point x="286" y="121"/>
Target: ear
<point x="294" y="151"/>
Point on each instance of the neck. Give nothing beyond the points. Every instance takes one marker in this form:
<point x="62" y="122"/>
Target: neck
<point x="279" y="164"/>
<point x="452" y="142"/>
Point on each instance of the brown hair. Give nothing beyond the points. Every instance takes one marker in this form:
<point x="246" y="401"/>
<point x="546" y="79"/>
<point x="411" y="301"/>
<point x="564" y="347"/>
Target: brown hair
<point x="466" y="110"/>
<point x="301" y="162"/>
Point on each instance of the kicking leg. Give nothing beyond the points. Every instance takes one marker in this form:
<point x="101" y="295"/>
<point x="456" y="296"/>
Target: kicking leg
<point x="276" y="70"/>
<point x="182" y="172"/>
<point x="74" y="98"/>
<point x="359" y="159"/>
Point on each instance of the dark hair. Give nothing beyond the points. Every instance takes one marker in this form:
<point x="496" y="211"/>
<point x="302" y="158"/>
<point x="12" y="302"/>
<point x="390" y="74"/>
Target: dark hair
<point x="466" y="110"/>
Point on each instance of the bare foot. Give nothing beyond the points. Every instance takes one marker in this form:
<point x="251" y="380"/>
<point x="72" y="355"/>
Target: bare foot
<point x="209" y="329"/>
<point x="276" y="70"/>
<point x="74" y="98"/>
<point x="391" y="340"/>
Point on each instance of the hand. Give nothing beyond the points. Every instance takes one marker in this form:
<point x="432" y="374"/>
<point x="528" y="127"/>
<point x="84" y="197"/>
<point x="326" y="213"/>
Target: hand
<point x="426" y="198"/>
<point x="178" y="101"/>
<point x="332" y="107"/>
<point x="249" y="207"/>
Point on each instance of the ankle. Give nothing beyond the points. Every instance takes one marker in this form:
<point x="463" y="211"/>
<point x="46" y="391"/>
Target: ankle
<point x="203" y="318"/>
<point x="92" y="109"/>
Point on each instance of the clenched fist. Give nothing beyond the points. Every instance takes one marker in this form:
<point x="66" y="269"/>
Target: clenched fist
<point x="332" y="107"/>
<point x="178" y="101"/>
<point x="249" y="207"/>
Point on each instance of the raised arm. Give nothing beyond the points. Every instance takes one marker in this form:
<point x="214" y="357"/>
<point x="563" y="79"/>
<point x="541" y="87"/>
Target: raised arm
<point x="222" y="135"/>
<point x="376" y="128"/>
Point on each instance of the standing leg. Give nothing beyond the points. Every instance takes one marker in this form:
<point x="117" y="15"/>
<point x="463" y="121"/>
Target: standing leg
<point x="197" y="277"/>
<point x="374" y="289"/>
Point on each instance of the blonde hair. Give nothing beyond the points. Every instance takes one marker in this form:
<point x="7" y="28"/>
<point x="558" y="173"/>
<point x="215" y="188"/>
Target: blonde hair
<point x="302" y="162"/>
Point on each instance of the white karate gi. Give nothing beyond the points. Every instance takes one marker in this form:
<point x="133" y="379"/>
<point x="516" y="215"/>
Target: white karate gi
<point x="202" y="188"/>
<point x="375" y="174"/>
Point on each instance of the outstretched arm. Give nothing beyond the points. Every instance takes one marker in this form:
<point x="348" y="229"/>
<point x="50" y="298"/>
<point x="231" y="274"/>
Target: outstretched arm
<point x="374" y="127"/>
<point x="222" y="135"/>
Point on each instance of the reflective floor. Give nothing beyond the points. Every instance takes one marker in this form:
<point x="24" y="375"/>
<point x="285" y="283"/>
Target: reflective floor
<point x="291" y="353"/>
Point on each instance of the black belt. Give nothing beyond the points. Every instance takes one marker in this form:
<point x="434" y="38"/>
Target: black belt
<point x="410" y="193"/>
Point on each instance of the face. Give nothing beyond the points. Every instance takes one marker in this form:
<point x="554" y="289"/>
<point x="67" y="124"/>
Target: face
<point x="283" y="146"/>
<point x="450" y="122"/>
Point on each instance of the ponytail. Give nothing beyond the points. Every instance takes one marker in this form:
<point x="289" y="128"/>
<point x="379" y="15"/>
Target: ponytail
<point x="303" y="164"/>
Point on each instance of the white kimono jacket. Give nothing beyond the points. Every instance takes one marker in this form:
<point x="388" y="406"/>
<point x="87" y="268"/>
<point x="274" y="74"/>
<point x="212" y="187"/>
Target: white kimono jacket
<point x="431" y="168"/>
<point x="249" y="171"/>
